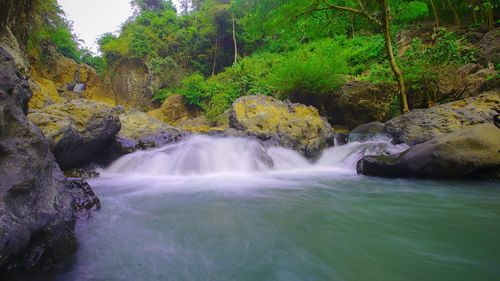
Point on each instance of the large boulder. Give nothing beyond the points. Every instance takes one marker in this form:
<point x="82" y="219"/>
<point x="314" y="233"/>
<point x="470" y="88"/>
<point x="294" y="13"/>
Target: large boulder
<point x="44" y="93"/>
<point x="12" y="82"/>
<point x="361" y="102"/>
<point x="76" y="129"/>
<point x="489" y="47"/>
<point x="37" y="213"/>
<point x="366" y="131"/>
<point x="131" y="84"/>
<point x="141" y="131"/>
<point x="289" y="124"/>
<point x="473" y="151"/>
<point x="421" y="125"/>
<point x="454" y="84"/>
<point x="174" y="110"/>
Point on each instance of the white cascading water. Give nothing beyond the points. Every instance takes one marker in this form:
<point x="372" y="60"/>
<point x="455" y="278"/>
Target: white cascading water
<point x="204" y="155"/>
<point x="79" y="88"/>
<point x="347" y="156"/>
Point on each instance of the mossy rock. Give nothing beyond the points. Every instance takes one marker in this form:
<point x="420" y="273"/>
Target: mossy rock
<point x="76" y="129"/>
<point x="421" y="125"/>
<point x="292" y="125"/>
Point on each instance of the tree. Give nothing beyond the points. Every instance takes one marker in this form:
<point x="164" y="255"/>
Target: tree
<point x="384" y="21"/>
<point x="150" y="5"/>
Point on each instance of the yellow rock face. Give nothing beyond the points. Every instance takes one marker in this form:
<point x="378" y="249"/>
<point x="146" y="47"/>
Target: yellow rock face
<point x="294" y="125"/>
<point x="136" y="124"/>
<point x="44" y="93"/>
<point x="174" y="110"/>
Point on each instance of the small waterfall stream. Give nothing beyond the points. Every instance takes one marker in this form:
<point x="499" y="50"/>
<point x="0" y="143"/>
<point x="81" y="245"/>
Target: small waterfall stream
<point x="79" y="88"/>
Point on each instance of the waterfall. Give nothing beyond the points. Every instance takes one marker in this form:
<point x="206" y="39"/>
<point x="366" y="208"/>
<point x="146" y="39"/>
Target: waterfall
<point x="79" y="87"/>
<point x="347" y="155"/>
<point x="204" y="155"/>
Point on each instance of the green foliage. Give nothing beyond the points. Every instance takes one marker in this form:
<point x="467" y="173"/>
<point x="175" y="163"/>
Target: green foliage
<point x="51" y="26"/>
<point x="286" y="48"/>
<point x="410" y="11"/>
<point x="315" y="68"/>
<point x="194" y="89"/>
<point x="161" y="95"/>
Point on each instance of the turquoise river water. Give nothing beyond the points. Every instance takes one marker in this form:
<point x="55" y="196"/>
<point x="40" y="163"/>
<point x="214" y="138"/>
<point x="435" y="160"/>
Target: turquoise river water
<point x="231" y="209"/>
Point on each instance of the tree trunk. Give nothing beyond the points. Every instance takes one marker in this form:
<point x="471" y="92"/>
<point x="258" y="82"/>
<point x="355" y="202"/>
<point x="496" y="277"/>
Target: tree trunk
<point x="489" y="13"/>
<point x="457" y="19"/>
<point x="474" y="12"/>
<point x="234" y="41"/>
<point x="434" y="10"/>
<point x="215" y="55"/>
<point x="390" y="53"/>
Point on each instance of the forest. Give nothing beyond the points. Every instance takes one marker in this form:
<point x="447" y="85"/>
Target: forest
<point x="214" y="51"/>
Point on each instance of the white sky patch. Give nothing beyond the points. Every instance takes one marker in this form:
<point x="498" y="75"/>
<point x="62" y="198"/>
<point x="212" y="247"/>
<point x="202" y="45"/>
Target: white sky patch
<point x="92" y="18"/>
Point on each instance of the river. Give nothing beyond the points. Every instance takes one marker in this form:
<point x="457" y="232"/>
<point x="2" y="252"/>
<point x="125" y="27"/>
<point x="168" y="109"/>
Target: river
<point x="231" y="209"/>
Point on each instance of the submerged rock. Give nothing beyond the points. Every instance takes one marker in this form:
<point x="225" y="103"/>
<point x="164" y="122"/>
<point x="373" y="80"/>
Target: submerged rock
<point x="76" y="129"/>
<point x="36" y="208"/>
<point x="85" y="200"/>
<point x="288" y="124"/>
<point x="421" y="125"/>
<point x="473" y="151"/>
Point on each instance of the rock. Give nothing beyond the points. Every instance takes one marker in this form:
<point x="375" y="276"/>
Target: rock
<point x="366" y="131"/>
<point x="87" y="172"/>
<point x="174" y="110"/>
<point x="11" y="45"/>
<point x="76" y="129"/>
<point x="199" y="125"/>
<point x="44" y="93"/>
<point x="12" y="81"/>
<point x="454" y="84"/>
<point x="489" y="47"/>
<point x="132" y="84"/>
<point x="421" y="125"/>
<point x="466" y="153"/>
<point x="290" y="124"/>
<point x="140" y="131"/>
<point x="85" y="199"/>
<point x="361" y="102"/>
<point x="147" y="131"/>
<point x="36" y="208"/>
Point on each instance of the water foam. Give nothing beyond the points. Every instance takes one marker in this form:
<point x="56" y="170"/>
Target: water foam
<point x="204" y="155"/>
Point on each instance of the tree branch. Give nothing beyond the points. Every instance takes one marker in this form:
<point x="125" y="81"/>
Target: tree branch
<point x="362" y="12"/>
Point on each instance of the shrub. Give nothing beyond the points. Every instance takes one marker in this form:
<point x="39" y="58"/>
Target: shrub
<point x="194" y="89"/>
<point x="315" y="68"/>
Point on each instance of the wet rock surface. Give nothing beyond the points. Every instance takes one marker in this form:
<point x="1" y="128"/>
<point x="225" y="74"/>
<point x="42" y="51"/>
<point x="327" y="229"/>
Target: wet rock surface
<point x="473" y="152"/>
<point x="421" y="125"/>
<point x="36" y="208"/>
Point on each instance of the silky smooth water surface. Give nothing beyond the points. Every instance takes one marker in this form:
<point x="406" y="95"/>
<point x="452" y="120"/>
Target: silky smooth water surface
<point x="316" y="222"/>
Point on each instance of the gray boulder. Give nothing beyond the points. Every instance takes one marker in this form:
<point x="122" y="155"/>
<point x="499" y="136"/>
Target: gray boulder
<point x="471" y="152"/>
<point x="76" y="129"/>
<point x="366" y="131"/>
<point x="421" y="125"/>
<point x="37" y="213"/>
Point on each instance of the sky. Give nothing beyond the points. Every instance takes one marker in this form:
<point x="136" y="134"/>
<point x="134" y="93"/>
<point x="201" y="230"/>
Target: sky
<point x="91" y="18"/>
